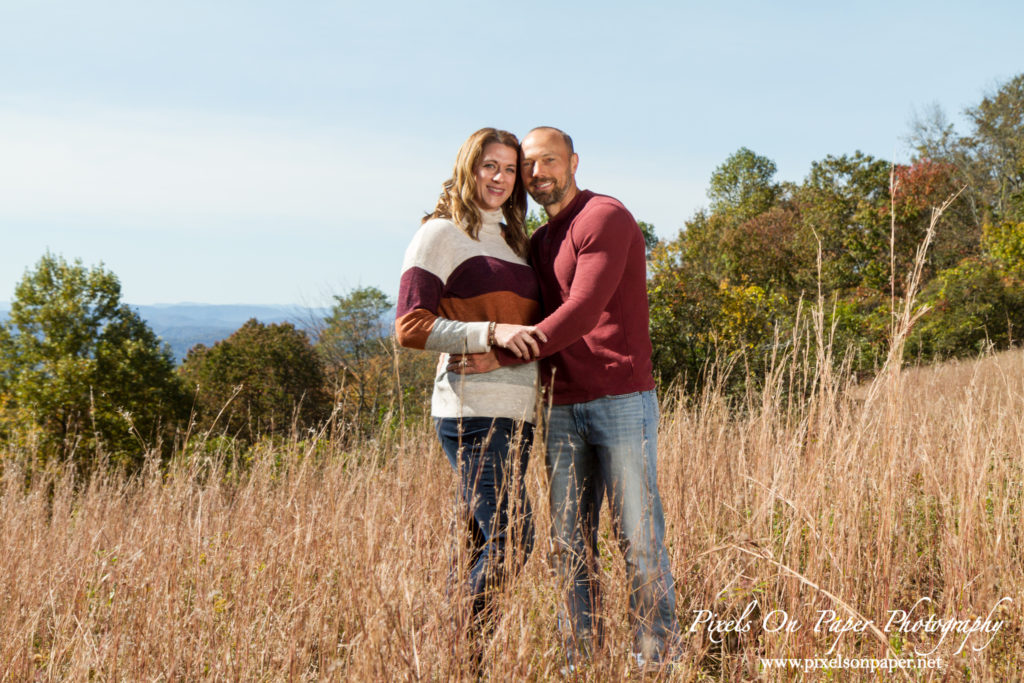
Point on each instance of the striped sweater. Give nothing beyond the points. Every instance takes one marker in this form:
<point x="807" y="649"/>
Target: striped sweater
<point x="452" y="287"/>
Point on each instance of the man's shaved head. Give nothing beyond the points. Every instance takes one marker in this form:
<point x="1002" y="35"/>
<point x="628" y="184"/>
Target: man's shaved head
<point x="558" y="131"/>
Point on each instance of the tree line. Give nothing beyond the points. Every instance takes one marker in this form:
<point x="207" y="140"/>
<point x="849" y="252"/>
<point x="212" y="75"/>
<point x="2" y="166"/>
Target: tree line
<point x="82" y="374"/>
<point x="739" y="272"/>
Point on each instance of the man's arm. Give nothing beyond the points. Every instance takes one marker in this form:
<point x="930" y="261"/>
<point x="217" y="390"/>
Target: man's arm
<point x="601" y="261"/>
<point x="606" y="238"/>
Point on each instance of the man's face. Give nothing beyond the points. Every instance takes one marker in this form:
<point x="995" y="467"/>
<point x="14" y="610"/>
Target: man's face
<point x="548" y="168"/>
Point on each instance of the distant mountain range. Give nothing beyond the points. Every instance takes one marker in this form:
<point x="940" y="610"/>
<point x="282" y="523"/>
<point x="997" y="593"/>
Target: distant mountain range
<point x="184" y="325"/>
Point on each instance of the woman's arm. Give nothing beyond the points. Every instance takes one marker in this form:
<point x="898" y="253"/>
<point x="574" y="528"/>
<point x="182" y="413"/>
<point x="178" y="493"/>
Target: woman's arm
<point x="418" y="325"/>
<point x="423" y="329"/>
<point x="428" y="261"/>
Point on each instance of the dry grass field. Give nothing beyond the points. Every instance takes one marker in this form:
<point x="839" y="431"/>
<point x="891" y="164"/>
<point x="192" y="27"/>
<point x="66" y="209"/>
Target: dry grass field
<point x="323" y="562"/>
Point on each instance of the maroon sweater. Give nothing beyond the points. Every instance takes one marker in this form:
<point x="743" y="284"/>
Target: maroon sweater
<point x="591" y="263"/>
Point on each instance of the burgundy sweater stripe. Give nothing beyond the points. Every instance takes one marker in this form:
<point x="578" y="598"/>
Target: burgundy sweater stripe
<point x="418" y="288"/>
<point x="486" y="274"/>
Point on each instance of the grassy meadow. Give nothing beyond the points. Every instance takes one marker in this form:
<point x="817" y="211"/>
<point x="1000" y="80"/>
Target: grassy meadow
<point x="320" y="560"/>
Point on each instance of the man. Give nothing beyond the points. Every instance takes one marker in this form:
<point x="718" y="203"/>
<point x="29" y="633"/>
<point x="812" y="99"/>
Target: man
<point x="603" y="425"/>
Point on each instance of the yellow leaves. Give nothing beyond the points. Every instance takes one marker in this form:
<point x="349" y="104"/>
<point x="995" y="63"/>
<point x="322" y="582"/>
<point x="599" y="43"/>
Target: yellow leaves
<point x="1005" y="243"/>
<point x="746" y="315"/>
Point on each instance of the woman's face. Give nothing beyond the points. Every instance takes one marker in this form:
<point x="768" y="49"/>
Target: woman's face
<point x="495" y="175"/>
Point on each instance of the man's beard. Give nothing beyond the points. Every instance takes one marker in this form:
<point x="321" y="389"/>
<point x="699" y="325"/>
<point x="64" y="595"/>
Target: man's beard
<point x="553" y="195"/>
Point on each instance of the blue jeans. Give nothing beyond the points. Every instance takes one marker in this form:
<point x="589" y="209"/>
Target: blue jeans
<point x="609" y="446"/>
<point x="490" y="456"/>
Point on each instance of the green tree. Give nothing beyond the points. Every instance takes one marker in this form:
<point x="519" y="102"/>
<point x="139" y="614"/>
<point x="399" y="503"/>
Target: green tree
<point x="535" y="219"/>
<point x="682" y="308"/>
<point x="81" y="370"/>
<point x="370" y="377"/>
<point x="1004" y="243"/>
<point x="712" y="242"/>
<point x="650" y="237"/>
<point x="710" y="290"/>
<point x="990" y="159"/>
<point x="262" y="380"/>
<point x="762" y="250"/>
<point x="975" y="305"/>
<point x="697" y="322"/>
<point x="843" y="203"/>
<point x="743" y="186"/>
<point x="698" y="246"/>
<point x="356" y="328"/>
<point x="978" y="303"/>
<point x="995" y="150"/>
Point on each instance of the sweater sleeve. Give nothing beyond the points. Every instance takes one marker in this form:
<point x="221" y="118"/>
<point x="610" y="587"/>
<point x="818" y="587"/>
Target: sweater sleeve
<point x="417" y="323"/>
<point x="603" y="249"/>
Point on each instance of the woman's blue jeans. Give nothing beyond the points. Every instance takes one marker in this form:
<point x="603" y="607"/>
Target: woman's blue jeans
<point x="609" y="446"/>
<point x="490" y="457"/>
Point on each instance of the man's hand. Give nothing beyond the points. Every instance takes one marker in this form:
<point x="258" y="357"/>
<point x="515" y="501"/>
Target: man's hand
<point x="473" y="363"/>
<point x="519" y="339"/>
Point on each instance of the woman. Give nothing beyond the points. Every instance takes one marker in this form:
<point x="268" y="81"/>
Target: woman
<point x="466" y="287"/>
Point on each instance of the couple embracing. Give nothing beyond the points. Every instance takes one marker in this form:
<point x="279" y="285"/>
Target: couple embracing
<point x="573" y="297"/>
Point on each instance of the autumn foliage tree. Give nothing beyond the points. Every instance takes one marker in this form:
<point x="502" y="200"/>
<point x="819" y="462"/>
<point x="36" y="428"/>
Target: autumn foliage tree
<point x="978" y="303"/>
<point x="733" y="279"/>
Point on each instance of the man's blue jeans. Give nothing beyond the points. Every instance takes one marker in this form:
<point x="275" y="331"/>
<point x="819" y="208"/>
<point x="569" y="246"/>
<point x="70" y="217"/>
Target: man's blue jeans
<point x="610" y="445"/>
<point x="490" y="456"/>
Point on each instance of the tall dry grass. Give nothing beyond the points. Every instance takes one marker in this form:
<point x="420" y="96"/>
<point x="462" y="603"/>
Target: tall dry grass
<point x="328" y="563"/>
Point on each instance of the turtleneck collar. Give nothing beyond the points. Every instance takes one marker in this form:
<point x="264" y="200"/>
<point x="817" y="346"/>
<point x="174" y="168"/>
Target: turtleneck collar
<point x="491" y="220"/>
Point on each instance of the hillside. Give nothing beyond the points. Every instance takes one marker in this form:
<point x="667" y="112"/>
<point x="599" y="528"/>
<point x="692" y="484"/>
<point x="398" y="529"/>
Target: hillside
<point x="326" y="559"/>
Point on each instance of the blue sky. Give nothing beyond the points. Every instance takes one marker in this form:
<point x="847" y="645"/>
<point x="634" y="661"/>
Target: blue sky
<point x="273" y="152"/>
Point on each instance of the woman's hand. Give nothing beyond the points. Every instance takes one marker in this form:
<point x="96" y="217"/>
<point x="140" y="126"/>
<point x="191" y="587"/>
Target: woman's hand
<point x="519" y="339"/>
